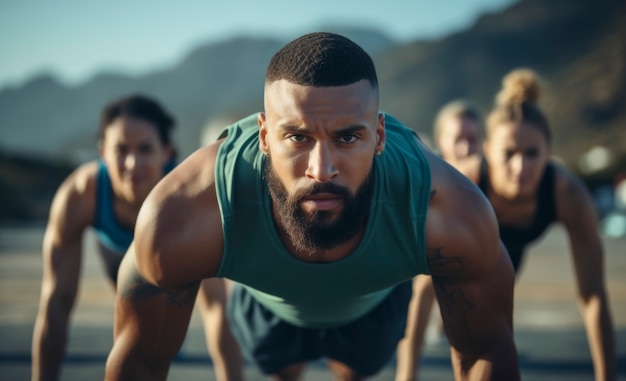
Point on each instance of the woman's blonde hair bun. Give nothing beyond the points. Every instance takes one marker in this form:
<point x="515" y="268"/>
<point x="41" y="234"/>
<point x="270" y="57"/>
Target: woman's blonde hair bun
<point x="520" y="85"/>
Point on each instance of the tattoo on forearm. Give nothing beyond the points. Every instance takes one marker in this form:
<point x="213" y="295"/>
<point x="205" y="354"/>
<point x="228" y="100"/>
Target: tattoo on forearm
<point x="450" y="294"/>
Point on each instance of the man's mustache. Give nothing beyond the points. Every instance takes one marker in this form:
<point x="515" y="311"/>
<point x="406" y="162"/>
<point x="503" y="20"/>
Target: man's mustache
<point x="328" y="188"/>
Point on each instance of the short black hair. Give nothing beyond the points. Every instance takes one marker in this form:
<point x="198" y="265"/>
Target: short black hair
<point x="141" y="107"/>
<point x="322" y="59"/>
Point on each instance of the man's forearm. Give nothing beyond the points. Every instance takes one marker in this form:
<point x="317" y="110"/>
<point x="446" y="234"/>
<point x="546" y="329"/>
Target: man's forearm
<point x="500" y="363"/>
<point x="122" y="366"/>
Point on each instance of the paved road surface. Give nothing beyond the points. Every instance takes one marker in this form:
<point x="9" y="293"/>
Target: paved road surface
<point x="549" y="331"/>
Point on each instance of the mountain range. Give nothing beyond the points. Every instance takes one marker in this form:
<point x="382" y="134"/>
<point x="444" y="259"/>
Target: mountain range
<point x="578" y="48"/>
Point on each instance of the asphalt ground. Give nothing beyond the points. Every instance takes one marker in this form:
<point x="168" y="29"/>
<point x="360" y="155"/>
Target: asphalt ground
<point x="549" y="330"/>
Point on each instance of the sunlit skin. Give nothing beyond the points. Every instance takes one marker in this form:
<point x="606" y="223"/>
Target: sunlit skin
<point x="321" y="135"/>
<point x="318" y="136"/>
<point x="458" y="139"/>
<point x="517" y="154"/>
<point x="134" y="156"/>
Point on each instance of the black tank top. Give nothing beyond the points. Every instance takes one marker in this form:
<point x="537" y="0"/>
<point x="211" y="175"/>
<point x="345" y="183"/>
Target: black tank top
<point x="516" y="239"/>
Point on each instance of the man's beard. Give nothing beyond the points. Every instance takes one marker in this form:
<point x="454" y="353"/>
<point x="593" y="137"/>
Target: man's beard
<point x="317" y="232"/>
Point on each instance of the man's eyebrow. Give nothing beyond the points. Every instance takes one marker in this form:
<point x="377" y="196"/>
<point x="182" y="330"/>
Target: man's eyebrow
<point x="292" y="128"/>
<point x="341" y="131"/>
<point x="350" y="129"/>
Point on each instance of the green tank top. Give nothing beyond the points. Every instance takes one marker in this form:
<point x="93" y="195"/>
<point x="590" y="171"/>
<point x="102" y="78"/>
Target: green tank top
<point x="393" y="248"/>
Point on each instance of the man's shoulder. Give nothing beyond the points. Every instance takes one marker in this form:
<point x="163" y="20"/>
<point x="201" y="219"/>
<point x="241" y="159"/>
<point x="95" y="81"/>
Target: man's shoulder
<point x="393" y="123"/>
<point x="246" y="123"/>
<point x="180" y="217"/>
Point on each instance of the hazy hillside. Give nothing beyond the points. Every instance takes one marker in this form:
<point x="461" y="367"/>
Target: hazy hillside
<point x="577" y="46"/>
<point x="214" y="81"/>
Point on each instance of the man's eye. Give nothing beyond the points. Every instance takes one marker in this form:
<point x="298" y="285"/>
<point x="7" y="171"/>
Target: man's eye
<point x="347" y="138"/>
<point x="298" y="138"/>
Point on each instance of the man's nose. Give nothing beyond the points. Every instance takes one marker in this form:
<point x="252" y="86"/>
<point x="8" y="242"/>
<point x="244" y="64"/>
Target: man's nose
<point x="321" y="166"/>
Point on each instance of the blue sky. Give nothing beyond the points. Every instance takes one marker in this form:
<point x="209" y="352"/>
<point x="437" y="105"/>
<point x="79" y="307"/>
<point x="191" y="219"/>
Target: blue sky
<point x="75" y="39"/>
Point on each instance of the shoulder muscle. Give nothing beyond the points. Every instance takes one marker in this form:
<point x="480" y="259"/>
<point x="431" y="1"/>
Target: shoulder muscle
<point x="178" y="237"/>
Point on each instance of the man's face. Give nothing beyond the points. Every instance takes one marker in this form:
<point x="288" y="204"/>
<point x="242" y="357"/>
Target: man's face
<point x="321" y="142"/>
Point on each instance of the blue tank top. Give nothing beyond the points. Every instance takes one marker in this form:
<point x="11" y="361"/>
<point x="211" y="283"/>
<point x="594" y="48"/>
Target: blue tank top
<point x="109" y="232"/>
<point x="515" y="239"/>
<point x="393" y="248"/>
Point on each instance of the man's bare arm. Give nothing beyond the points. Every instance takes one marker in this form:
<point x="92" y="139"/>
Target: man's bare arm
<point x="178" y="242"/>
<point x="150" y="325"/>
<point x="476" y="313"/>
<point x="472" y="276"/>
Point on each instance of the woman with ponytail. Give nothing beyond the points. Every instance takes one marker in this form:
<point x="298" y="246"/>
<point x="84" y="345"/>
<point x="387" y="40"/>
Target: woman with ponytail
<point x="529" y="191"/>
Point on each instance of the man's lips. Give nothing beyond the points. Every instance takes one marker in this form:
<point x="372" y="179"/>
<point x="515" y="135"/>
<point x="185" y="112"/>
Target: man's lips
<point x="321" y="201"/>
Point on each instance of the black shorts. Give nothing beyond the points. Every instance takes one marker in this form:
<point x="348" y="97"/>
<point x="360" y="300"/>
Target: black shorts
<point x="366" y="345"/>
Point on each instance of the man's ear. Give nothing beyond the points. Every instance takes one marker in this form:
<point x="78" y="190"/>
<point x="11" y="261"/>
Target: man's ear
<point x="381" y="135"/>
<point x="263" y="145"/>
<point x="100" y="148"/>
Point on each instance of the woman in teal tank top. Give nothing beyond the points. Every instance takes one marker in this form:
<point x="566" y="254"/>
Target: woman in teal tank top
<point x="136" y="151"/>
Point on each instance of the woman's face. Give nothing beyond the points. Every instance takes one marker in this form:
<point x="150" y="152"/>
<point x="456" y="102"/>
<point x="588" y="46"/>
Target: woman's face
<point x="517" y="154"/>
<point x="134" y="156"/>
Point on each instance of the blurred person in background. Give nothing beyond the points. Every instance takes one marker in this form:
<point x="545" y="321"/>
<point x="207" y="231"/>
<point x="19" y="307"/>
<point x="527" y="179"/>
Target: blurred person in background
<point x="457" y="134"/>
<point x="136" y="151"/>
<point x="529" y="191"/>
